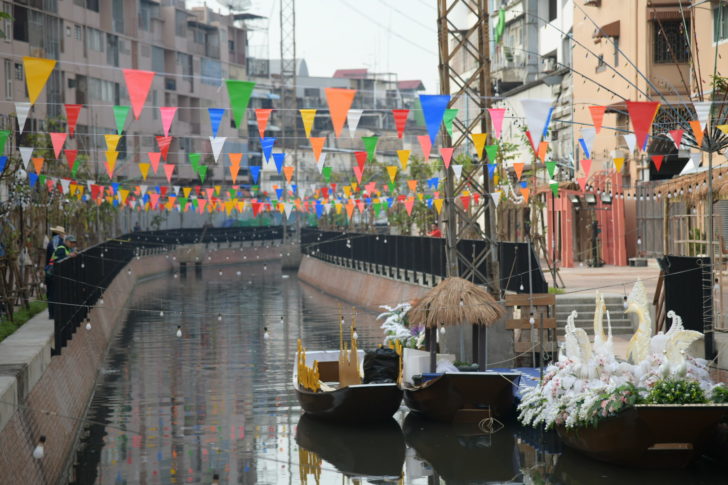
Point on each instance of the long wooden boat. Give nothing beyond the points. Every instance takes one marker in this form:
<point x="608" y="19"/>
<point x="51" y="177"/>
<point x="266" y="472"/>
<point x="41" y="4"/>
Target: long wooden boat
<point x="328" y="386"/>
<point x="649" y="435"/>
<point x="369" y="452"/>
<point x="465" y="396"/>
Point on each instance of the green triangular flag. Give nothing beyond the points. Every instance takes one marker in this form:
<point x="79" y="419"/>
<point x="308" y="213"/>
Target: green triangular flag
<point x="419" y="117"/>
<point x="370" y="145"/>
<point x="239" y="93"/>
<point x="3" y="138"/>
<point x="74" y="171"/>
<point x="554" y="188"/>
<point x="202" y="172"/>
<point x="42" y="179"/>
<point x="233" y="193"/>
<point x="182" y="203"/>
<point x="326" y="172"/>
<point x="550" y="166"/>
<point x="492" y="152"/>
<point x="448" y="118"/>
<point x="194" y="203"/>
<point x="120" y="114"/>
<point x="392" y="186"/>
<point x="195" y="161"/>
<point x="376" y="208"/>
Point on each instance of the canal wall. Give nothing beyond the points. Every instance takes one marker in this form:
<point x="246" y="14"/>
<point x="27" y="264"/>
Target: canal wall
<point x="369" y="291"/>
<point x="40" y="395"/>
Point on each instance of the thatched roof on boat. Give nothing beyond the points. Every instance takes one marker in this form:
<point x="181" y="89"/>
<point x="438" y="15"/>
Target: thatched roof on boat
<point x="441" y="306"/>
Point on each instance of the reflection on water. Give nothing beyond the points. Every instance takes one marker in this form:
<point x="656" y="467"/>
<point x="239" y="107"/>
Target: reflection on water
<point x="219" y="400"/>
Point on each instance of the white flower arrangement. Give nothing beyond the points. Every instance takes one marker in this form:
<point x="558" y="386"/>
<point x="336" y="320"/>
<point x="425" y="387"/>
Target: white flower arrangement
<point x="396" y="327"/>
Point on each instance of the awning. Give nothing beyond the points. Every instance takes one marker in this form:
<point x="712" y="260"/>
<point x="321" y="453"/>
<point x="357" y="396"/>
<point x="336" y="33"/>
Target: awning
<point x="608" y="30"/>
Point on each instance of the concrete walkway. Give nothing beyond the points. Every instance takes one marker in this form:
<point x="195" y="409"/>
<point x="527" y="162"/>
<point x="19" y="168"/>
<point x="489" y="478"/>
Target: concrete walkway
<point x="610" y="280"/>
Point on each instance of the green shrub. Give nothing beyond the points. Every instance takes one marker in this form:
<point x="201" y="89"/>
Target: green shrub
<point x="673" y="391"/>
<point x="719" y="394"/>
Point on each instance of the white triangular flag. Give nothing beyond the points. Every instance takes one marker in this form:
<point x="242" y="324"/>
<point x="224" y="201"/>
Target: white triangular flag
<point x="143" y="189"/>
<point x="631" y="140"/>
<point x="496" y="197"/>
<point x="65" y="183"/>
<point x="588" y="134"/>
<point x="217" y="142"/>
<point x="536" y="112"/>
<point x="288" y="208"/>
<point x="702" y="109"/>
<point x="688" y="168"/>
<point x="327" y="207"/>
<point x="176" y="190"/>
<point x="320" y="163"/>
<point x="352" y="120"/>
<point x="457" y="170"/>
<point x="25" y="154"/>
<point x="89" y="183"/>
<point x="22" y="108"/>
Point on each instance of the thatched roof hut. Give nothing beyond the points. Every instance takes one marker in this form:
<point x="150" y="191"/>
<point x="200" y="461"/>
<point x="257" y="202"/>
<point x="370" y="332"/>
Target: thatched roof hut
<point x="441" y="306"/>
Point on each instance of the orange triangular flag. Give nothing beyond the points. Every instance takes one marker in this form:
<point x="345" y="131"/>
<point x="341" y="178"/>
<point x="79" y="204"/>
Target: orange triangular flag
<point x="543" y="147"/>
<point x="288" y="172"/>
<point x="234" y="169"/>
<point x="317" y="145"/>
<point x="38" y="164"/>
<point x="339" y="100"/>
<point x="518" y="167"/>
<point x="262" y="116"/>
<point x="525" y="192"/>
<point x="698" y="132"/>
<point x="412" y="184"/>
<point x="597" y="114"/>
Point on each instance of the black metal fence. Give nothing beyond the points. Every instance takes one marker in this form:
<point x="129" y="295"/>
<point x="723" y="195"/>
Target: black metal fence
<point x="409" y="258"/>
<point x="79" y="282"/>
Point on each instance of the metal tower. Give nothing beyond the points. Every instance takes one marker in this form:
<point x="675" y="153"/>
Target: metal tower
<point x="288" y="101"/>
<point x="464" y="68"/>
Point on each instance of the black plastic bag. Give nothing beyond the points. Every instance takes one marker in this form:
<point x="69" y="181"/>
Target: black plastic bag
<point x="381" y="366"/>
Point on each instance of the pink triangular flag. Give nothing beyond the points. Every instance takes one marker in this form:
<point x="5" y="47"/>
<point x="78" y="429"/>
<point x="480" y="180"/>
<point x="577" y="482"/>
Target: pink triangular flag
<point x="58" y="139"/>
<point x="426" y="145"/>
<point x="409" y="203"/>
<point x="138" y="84"/>
<point x="358" y="172"/>
<point x="154" y="160"/>
<point x="582" y="183"/>
<point x="446" y="154"/>
<point x="496" y="119"/>
<point x="168" y="170"/>
<point x="676" y="136"/>
<point x="586" y="166"/>
<point x="167" y="115"/>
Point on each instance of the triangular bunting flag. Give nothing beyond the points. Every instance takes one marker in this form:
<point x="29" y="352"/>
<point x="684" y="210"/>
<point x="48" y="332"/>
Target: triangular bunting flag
<point x="154" y="160"/>
<point x="112" y="141"/>
<point x="352" y="120"/>
<point x="543" y="148"/>
<point x="631" y="140"/>
<point x="448" y="118"/>
<point x="537" y="113"/>
<point x="525" y="192"/>
<point x="317" y="144"/>
<point x="618" y="163"/>
<point x="254" y="173"/>
<point x="339" y="101"/>
<point x="400" y="120"/>
<point x="25" y="154"/>
<point x="38" y="164"/>
<point x="492" y="152"/>
<point x="267" y="147"/>
<point x="518" y="168"/>
<point x="279" y="159"/>
<point x="426" y="146"/>
<point x="37" y="72"/>
<point x="144" y="170"/>
<point x="403" y="156"/>
<point x="433" y="109"/>
<point x="361" y="158"/>
<point x="496" y="120"/>
<point x="288" y="172"/>
<point x="370" y="145"/>
<point x="215" y="115"/>
<point x="702" y="110"/>
<point x="167" y="114"/>
<point x="120" y="115"/>
<point x="642" y="114"/>
<point x="71" y="157"/>
<point x="457" y="169"/>
<point x="307" y="118"/>
<point x="697" y="132"/>
<point x="586" y="166"/>
<point x="446" y="154"/>
<point x="551" y="168"/>
<point x="22" y="109"/>
<point x="72" y="112"/>
<point x="57" y="139"/>
<point x="657" y="160"/>
<point x="479" y="143"/>
<point x="597" y="115"/>
<point x="216" y="143"/>
<point x="239" y="93"/>
<point x="392" y="171"/>
<point x="676" y="136"/>
<point x="358" y="172"/>
<point x="138" y="84"/>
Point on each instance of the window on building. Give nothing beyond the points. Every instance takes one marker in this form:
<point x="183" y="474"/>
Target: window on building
<point x="615" y="42"/>
<point x="231" y="46"/>
<point x="147" y="10"/>
<point x="720" y="22"/>
<point x="671" y="42"/>
<point x="7" y="23"/>
<point x="8" y="79"/>
<point x="18" y="71"/>
<point x="157" y="59"/>
<point x="180" y="23"/>
<point x="94" y="39"/>
<point x="79" y="33"/>
<point x="20" y="23"/>
<point x="101" y="90"/>
<point x="553" y="12"/>
<point x="198" y="36"/>
<point x="211" y="72"/>
<point x="117" y="14"/>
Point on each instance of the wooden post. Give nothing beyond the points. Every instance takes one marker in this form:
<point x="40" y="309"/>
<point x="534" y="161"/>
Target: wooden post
<point x="432" y="338"/>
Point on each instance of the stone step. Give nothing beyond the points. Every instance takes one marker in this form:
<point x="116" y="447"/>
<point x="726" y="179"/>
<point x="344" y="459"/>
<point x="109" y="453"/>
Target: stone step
<point x="615" y="331"/>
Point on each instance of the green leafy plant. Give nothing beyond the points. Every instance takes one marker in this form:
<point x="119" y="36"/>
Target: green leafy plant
<point x="611" y="403"/>
<point x="676" y="391"/>
<point x="719" y="394"/>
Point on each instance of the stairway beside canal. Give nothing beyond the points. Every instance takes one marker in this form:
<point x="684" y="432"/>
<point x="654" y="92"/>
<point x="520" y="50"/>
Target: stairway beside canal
<point x="584" y="305"/>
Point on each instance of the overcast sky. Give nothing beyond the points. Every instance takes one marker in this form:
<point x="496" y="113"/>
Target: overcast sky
<point x="397" y="36"/>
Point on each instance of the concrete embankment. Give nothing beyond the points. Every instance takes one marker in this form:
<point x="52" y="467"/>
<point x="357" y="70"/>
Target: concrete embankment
<point x="44" y="395"/>
<point x="369" y="291"/>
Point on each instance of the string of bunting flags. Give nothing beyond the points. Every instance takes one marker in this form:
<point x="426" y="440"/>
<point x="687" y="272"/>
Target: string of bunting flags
<point x="327" y="197"/>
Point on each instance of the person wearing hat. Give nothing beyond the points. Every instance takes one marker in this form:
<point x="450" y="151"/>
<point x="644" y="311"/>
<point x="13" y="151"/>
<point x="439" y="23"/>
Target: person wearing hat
<point x="67" y="249"/>
<point x="57" y="233"/>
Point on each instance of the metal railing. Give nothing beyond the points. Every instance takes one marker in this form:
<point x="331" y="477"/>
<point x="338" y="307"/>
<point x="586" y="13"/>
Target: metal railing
<point x="79" y="282"/>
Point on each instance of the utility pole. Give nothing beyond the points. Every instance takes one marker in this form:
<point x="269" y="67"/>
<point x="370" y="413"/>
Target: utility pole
<point x="463" y="32"/>
<point x="288" y="99"/>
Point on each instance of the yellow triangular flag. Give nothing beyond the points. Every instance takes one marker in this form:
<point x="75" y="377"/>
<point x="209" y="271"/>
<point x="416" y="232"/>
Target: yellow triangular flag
<point x="123" y="194"/>
<point x="187" y="191"/>
<point x="338" y="207"/>
<point x="217" y="189"/>
<point x="144" y="169"/>
<point x="112" y="141"/>
<point x="723" y="128"/>
<point x="438" y="205"/>
<point x="37" y="72"/>
<point x="479" y="143"/>
<point x="392" y="171"/>
<point x="618" y="163"/>
<point x="354" y="185"/>
<point x="229" y="206"/>
<point x="307" y="116"/>
<point x="347" y="190"/>
<point x="403" y="158"/>
<point x="111" y="157"/>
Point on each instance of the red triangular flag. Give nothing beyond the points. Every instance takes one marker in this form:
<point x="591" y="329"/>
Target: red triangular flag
<point x="361" y="158"/>
<point x="582" y="183"/>
<point x="530" y="140"/>
<point x="262" y="116"/>
<point x="597" y="114"/>
<point x="167" y="114"/>
<point x="677" y="137"/>
<point x="72" y="111"/>
<point x="168" y="170"/>
<point x="164" y="142"/>
<point x="466" y="201"/>
<point x="446" y="154"/>
<point x="400" y="120"/>
<point x="657" y="160"/>
<point x="71" y="158"/>
<point x="154" y="160"/>
<point x="642" y="114"/>
<point x="426" y="145"/>
<point x="586" y="166"/>
<point x="138" y="84"/>
<point x="257" y="206"/>
<point x="58" y="139"/>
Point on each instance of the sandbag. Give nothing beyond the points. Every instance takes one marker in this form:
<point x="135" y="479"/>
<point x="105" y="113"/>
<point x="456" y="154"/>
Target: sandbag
<point x="381" y="366"/>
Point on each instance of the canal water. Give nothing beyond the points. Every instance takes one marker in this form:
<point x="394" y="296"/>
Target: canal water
<point x="219" y="400"/>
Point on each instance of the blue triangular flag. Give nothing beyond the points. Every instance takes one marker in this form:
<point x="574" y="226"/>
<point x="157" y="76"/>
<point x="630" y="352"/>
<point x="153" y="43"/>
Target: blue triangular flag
<point x="548" y="120"/>
<point x="116" y="202"/>
<point x="3" y="162"/>
<point x="294" y="188"/>
<point x="255" y="172"/>
<point x="32" y="178"/>
<point x="433" y="182"/>
<point x="279" y="158"/>
<point x="115" y="186"/>
<point x="319" y="209"/>
<point x="429" y="203"/>
<point x="279" y="193"/>
<point x="145" y="199"/>
<point x="215" y="117"/>
<point x="433" y="109"/>
<point x="582" y="142"/>
<point x="491" y="169"/>
<point x="389" y="201"/>
<point x="267" y="145"/>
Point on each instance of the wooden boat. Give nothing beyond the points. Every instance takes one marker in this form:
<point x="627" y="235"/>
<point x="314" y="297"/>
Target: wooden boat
<point x="465" y="396"/>
<point x="374" y="452"/>
<point x="649" y="436"/>
<point x="328" y="385"/>
<point x="462" y="453"/>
